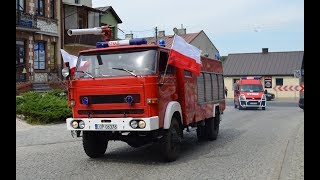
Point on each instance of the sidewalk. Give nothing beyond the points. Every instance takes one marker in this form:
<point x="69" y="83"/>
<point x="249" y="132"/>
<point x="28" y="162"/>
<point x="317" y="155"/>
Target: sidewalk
<point x="21" y="124"/>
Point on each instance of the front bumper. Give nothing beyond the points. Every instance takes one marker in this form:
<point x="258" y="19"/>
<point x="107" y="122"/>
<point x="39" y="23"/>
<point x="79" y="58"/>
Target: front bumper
<point x="121" y="124"/>
<point x="252" y="103"/>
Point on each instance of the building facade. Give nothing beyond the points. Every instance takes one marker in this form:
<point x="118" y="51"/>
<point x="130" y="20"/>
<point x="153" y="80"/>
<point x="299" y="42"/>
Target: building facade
<point x="37" y="40"/>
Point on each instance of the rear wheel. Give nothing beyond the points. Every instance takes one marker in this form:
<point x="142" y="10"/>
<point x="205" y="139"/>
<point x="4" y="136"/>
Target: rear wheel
<point x="212" y="127"/>
<point x="94" y="143"/>
<point x="171" y="141"/>
<point x="201" y="133"/>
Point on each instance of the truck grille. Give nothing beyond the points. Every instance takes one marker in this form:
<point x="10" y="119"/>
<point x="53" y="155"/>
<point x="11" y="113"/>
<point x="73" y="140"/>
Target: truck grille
<point x="118" y="111"/>
<point x="105" y="99"/>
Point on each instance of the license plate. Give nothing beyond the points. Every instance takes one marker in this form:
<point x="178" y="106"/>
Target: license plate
<point x="106" y="126"/>
<point x="253" y="103"/>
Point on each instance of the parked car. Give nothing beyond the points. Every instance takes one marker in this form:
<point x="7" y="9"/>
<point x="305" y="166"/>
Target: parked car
<point x="301" y="102"/>
<point x="270" y="96"/>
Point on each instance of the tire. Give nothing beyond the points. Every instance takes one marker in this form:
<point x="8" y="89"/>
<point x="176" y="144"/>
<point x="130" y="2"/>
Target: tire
<point x="94" y="143"/>
<point x="171" y="141"/>
<point x="201" y="133"/>
<point x="263" y="108"/>
<point x="212" y="127"/>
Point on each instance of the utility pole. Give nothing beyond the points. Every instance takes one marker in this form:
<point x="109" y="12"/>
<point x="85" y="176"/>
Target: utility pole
<point x="156" y="31"/>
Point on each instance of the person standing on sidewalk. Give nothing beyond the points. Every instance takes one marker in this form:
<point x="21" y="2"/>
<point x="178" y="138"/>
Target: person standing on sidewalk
<point x="226" y="91"/>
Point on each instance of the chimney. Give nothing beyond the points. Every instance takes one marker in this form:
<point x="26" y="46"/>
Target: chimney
<point x="161" y="34"/>
<point x="129" y="36"/>
<point x="264" y="50"/>
<point x="181" y="31"/>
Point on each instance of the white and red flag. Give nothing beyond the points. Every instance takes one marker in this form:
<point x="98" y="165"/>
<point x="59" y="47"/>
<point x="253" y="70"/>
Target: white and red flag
<point x="184" y="55"/>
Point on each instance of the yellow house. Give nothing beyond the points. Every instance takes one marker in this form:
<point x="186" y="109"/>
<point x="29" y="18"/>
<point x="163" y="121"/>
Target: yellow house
<point x="282" y="72"/>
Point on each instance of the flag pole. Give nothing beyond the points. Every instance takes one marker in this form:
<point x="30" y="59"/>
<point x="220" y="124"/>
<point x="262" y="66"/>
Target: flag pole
<point x="165" y="70"/>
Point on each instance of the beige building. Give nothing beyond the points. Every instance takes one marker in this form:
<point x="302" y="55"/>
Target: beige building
<point x="282" y="73"/>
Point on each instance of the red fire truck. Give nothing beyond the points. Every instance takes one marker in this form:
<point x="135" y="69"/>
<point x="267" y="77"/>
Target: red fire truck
<point x="249" y="93"/>
<point x="125" y="90"/>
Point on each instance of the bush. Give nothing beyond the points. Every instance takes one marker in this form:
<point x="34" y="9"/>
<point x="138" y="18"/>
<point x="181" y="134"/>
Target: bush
<point x="42" y="108"/>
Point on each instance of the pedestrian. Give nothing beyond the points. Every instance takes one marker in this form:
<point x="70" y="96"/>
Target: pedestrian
<point x="226" y="91"/>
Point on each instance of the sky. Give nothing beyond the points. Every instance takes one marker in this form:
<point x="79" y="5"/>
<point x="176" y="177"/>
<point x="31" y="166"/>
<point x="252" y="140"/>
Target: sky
<point x="233" y="26"/>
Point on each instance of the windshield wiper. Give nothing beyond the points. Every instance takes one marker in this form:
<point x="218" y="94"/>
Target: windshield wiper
<point x="89" y="74"/>
<point x="126" y="70"/>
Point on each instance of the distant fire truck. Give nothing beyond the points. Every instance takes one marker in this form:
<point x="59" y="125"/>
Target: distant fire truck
<point x="249" y="93"/>
<point x="125" y="90"/>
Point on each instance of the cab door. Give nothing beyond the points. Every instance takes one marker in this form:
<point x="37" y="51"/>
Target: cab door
<point x="167" y="84"/>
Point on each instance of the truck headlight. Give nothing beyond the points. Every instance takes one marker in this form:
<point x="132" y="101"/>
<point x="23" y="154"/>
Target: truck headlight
<point x="142" y="124"/>
<point x="242" y="97"/>
<point x="81" y="124"/>
<point x="134" y="124"/>
<point x="74" y="124"/>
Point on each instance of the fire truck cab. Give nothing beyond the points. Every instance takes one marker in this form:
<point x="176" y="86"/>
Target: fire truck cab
<point x="249" y="93"/>
<point x="126" y="91"/>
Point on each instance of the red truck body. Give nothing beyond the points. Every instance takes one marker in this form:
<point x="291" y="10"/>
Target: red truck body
<point x="129" y="93"/>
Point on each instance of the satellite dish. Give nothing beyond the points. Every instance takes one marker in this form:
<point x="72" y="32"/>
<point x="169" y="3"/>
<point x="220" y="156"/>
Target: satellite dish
<point x="175" y="30"/>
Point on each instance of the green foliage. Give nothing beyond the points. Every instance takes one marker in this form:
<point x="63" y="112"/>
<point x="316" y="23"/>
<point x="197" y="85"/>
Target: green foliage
<point x="42" y="108"/>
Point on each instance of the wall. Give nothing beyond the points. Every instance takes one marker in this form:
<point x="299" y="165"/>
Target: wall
<point x="82" y="2"/>
<point x="203" y="43"/>
<point x="287" y="80"/>
<point x="108" y="18"/>
<point x="71" y="17"/>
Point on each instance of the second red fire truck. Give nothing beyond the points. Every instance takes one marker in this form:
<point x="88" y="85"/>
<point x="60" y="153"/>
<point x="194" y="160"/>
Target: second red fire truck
<point x="249" y="93"/>
<point x="125" y="90"/>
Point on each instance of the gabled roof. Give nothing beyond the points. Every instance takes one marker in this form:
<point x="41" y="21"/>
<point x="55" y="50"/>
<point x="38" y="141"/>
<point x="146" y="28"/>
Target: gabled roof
<point x="109" y="8"/>
<point x="271" y="63"/>
<point x="189" y="37"/>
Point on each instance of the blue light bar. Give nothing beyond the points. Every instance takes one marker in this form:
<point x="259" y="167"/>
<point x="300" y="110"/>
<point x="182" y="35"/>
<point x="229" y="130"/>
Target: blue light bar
<point x="101" y="44"/>
<point x="137" y="41"/>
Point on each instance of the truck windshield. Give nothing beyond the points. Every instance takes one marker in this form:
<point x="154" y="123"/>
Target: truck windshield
<point x="111" y="64"/>
<point x="251" y="88"/>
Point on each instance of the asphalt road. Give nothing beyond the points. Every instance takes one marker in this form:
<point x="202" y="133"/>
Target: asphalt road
<point x="252" y="144"/>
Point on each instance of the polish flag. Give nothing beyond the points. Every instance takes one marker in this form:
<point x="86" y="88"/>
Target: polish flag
<point x="184" y="55"/>
<point x="71" y="59"/>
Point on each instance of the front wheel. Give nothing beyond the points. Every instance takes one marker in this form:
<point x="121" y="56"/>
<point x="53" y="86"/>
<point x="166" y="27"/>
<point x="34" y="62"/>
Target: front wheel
<point x="94" y="143"/>
<point x="171" y="141"/>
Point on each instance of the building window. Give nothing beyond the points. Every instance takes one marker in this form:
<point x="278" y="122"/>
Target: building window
<point x="52" y="56"/>
<point x="20" y="52"/>
<point x="52" y="8"/>
<point x="279" y="81"/>
<point x="20" y="61"/>
<point x="77" y="1"/>
<point x="93" y="19"/>
<point x="20" y="5"/>
<point x="40" y="6"/>
<point x="39" y="55"/>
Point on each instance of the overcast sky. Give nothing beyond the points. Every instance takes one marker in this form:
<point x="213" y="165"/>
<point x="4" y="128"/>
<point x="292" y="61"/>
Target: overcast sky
<point x="233" y="26"/>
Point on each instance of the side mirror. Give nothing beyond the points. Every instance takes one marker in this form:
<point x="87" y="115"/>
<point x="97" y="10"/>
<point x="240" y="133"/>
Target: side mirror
<point x="65" y="72"/>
